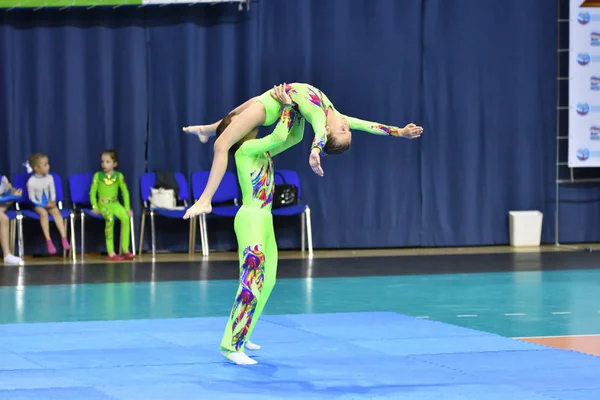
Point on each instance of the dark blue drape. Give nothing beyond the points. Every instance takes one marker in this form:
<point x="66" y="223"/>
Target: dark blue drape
<point x="489" y="84"/>
<point x="72" y="85"/>
<point x="479" y="76"/>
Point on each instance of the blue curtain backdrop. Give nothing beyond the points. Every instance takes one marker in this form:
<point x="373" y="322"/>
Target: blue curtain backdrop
<point x="479" y="76"/>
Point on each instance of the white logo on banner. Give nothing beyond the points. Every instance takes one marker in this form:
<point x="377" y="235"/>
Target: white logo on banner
<point x="584" y="84"/>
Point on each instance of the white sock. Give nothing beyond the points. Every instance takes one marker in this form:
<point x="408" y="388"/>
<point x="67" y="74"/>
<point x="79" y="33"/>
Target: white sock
<point x="239" y="358"/>
<point x="251" y="346"/>
<point x="12" y="260"/>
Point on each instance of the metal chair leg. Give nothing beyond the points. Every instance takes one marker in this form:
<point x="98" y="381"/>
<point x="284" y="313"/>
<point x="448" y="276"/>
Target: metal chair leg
<point x="20" y="234"/>
<point x="201" y="229"/>
<point x="73" y="243"/>
<point x="309" y="232"/>
<point x="192" y="236"/>
<point x="204" y="235"/>
<point x="303" y="231"/>
<point x="12" y="235"/>
<point x="142" y="227"/>
<point x="82" y="236"/>
<point x="152" y="234"/>
<point x="131" y="228"/>
<point x="207" y="243"/>
<point x="66" y="225"/>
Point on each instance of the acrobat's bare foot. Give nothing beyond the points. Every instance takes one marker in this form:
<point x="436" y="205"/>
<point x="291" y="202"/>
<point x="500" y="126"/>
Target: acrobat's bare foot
<point x="204" y="132"/>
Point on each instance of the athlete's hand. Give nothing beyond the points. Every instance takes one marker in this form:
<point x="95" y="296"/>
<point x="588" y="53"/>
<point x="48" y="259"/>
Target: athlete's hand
<point x="130" y="212"/>
<point x="315" y="161"/>
<point x="95" y="211"/>
<point x="279" y="94"/>
<point x="412" y="131"/>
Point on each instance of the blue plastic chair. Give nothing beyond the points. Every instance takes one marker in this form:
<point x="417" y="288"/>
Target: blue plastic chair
<point x="227" y="192"/>
<point x="20" y="182"/>
<point x="147" y="182"/>
<point x="79" y="190"/>
<point x="291" y="178"/>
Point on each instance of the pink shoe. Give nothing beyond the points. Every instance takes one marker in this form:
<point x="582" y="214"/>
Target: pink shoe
<point x="128" y="256"/>
<point x="51" y="248"/>
<point x="116" y="257"/>
<point x="65" y="244"/>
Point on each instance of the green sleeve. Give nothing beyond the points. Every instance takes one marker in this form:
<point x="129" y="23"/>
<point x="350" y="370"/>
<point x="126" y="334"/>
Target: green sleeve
<point x="275" y="138"/>
<point x="94" y="191"/>
<point x="295" y="137"/>
<point x="124" y="192"/>
<point x="373" y="127"/>
<point x="311" y="107"/>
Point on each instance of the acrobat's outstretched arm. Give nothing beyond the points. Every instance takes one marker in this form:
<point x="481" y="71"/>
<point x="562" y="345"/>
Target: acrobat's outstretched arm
<point x="410" y="131"/>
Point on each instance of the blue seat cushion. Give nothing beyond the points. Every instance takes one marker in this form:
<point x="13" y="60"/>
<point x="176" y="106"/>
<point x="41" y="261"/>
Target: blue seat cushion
<point x="225" y="211"/>
<point x="89" y="213"/>
<point x="290" y="210"/>
<point x="11" y="214"/>
<point x="33" y="215"/>
<point x="175" y="214"/>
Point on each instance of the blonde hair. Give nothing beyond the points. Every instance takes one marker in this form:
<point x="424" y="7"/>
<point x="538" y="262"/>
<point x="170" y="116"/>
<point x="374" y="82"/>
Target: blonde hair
<point x="34" y="159"/>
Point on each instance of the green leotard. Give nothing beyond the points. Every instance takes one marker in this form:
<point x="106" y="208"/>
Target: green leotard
<point x="104" y="197"/>
<point x="314" y="105"/>
<point x="254" y="226"/>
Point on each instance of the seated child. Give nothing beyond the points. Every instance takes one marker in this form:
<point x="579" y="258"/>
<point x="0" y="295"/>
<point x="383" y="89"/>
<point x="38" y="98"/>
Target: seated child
<point x="104" y="199"/>
<point x="42" y="194"/>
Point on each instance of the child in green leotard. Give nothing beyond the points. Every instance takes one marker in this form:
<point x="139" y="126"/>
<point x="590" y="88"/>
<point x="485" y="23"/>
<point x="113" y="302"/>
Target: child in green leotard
<point x="104" y="199"/>
<point x="332" y="131"/>
<point x="254" y="224"/>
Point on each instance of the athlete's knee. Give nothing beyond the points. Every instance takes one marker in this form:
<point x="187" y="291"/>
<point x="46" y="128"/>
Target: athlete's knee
<point x="221" y="147"/>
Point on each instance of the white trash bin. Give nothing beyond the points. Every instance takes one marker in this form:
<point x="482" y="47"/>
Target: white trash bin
<point x="525" y="228"/>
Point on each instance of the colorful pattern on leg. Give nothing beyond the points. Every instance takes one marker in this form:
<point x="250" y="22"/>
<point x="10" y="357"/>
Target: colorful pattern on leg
<point x="262" y="188"/>
<point x="251" y="279"/>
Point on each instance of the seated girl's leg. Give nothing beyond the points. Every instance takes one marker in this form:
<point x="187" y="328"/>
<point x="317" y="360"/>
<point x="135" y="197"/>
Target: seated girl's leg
<point x="4" y="232"/>
<point x="121" y="214"/>
<point x="109" y="228"/>
<point x="44" y="222"/>
<point x="58" y="221"/>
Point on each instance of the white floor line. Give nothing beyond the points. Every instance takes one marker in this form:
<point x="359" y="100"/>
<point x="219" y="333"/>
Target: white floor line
<point x="561" y="312"/>
<point x="555" y="336"/>
<point x="467" y="315"/>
